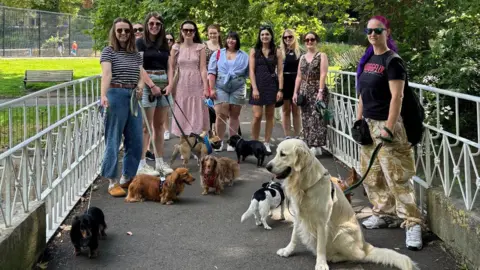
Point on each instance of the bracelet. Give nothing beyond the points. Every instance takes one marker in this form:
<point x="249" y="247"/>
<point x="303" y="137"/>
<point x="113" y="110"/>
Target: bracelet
<point x="280" y="90"/>
<point x="320" y="90"/>
<point x="152" y="86"/>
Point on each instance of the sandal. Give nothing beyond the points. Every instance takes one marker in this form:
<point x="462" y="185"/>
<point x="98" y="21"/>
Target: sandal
<point x="117" y="191"/>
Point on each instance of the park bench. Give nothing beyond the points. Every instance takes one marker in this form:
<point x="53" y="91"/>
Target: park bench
<point x="47" y="76"/>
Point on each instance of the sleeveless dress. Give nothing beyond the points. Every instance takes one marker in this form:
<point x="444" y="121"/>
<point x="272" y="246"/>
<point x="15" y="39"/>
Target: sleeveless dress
<point x="314" y="129"/>
<point x="265" y="83"/>
<point x="189" y="92"/>
<point x="290" y="68"/>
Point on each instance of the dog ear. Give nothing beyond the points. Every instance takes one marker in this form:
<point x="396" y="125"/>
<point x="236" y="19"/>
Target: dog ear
<point x="202" y="164"/>
<point x="300" y="156"/>
<point x="173" y="177"/>
<point x="264" y="185"/>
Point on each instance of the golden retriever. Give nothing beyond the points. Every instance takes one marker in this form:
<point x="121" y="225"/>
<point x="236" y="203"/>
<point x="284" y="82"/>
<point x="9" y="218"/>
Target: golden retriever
<point x="151" y="188"/>
<point x="217" y="171"/>
<point x="324" y="221"/>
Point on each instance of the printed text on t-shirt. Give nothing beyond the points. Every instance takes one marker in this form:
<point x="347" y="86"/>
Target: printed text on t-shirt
<point x="374" y="68"/>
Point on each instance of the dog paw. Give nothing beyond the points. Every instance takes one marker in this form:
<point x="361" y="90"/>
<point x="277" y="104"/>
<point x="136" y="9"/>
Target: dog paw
<point x="169" y="202"/>
<point x="267" y="227"/>
<point x="284" y="252"/>
<point x="205" y="193"/>
<point x="322" y="266"/>
<point x="258" y="223"/>
<point x="93" y="254"/>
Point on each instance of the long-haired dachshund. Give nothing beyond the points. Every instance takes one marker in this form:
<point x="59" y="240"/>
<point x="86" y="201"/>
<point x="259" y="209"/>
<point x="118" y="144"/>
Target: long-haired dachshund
<point x="344" y="184"/>
<point x="215" y="172"/>
<point x="147" y="187"/>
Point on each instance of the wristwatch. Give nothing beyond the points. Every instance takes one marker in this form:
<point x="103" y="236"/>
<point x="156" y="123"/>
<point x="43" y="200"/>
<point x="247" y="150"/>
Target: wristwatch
<point x="280" y="90"/>
<point x="153" y="85"/>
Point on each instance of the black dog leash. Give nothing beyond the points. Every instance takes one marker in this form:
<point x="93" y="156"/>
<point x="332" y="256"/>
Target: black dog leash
<point x="372" y="160"/>
<point x="176" y="121"/>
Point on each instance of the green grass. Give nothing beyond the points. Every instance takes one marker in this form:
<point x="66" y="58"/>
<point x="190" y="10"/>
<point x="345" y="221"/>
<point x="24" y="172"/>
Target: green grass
<point x="18" y="122"/>
<point x="12" y="72"/>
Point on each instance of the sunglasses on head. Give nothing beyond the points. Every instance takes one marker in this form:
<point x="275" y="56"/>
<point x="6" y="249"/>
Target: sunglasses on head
<point x="287" y="37"/>
<point x="154" y="24"/>
<point x="140" y="29"/>
<point x="188" y="31"/>
<point x="309" y="40"/>
<point x="377" y="31"/>
<point x="264" y="27"/>
<point x="123" y="30"/>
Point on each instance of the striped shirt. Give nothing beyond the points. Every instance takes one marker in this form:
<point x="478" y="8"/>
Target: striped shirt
<point x="125" y="66"/>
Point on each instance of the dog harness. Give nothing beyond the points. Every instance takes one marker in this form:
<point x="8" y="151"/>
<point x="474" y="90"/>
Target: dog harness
<point x="207" y="144"/>
<point x="209" y="179"/>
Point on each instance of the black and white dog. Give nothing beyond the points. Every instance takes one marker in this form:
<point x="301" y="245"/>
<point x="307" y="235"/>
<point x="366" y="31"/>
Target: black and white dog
<point x="269" y="197"/>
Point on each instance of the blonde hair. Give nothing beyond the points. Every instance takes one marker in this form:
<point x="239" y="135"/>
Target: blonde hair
<point x="295" y="45"/>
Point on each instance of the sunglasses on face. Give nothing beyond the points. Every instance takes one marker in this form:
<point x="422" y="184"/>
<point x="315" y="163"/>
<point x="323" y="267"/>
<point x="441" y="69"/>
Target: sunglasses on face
<point x="135" y="30"/>
<point x="377" y="31"/>
<point x="186" y="31"/>
<point x="123" y="30"/>
<point x="157" y="24"/>
<point x="309" y="40"/>
<point x="170" y="39"/>
<point x="287" y="37"/>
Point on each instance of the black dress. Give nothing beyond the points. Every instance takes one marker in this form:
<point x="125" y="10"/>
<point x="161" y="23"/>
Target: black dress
<point x="265" y="83"/>
<point x="290" y="67"/>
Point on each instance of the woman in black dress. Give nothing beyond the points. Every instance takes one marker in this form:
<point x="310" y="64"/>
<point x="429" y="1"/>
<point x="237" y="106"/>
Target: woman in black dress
<point x="265" y="62"/>
<point x="291" y="55"/>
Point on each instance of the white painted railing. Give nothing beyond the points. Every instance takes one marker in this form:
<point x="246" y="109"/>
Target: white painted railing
<point x="59" y="162"/>
<point x="447" y="156"/>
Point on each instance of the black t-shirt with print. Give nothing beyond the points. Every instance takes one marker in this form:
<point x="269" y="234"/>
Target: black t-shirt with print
<point x="374" y="87"/>
<point x="153" y="59"/>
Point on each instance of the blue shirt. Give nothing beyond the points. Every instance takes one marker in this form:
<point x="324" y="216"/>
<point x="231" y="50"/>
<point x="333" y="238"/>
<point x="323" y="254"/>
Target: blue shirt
<point x="229" y="68"/>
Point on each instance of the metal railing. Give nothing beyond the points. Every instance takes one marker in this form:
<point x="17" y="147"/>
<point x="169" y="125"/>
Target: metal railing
<point x="59" y="162"/>
<point x="446" y="157"/>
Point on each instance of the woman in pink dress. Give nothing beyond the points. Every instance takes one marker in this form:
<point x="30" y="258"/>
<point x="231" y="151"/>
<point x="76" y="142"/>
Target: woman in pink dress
<point x="191" y="88"/>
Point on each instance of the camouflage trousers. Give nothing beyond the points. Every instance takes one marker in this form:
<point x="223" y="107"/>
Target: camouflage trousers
<point x="387" y="184"/>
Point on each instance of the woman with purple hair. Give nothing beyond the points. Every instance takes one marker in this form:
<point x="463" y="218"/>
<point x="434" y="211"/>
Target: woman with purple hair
<point x="380" y="102"/>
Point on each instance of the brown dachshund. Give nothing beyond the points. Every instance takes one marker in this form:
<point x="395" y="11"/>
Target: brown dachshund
<point x="344" y="184"/>
<point x="147" y="187"/>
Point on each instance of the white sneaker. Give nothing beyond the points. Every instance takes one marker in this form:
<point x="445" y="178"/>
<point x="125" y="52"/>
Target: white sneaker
<point x="313" y="150"/>
<point x="319" y="151"/>
<point x="163" y="167"/>
<point x="414" y="237"/>
<point x="376" y="222"/>
<point x="166" y="135"/>
<point x="220" y="149"/>
<point x="267" y="145"/>
<point x="147" y="169"/>
<point x="230" y="148"/>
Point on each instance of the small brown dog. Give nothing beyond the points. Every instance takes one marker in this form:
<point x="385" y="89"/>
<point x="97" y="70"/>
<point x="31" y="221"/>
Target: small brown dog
<point x="199" y="147"/>
<point x="344" y="184"/>
<point x="215" y="172"/>
<point x="147" y="187"/>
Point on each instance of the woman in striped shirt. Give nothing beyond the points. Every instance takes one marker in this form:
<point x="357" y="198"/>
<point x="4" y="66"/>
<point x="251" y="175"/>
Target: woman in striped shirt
<point x="121" y="86"/>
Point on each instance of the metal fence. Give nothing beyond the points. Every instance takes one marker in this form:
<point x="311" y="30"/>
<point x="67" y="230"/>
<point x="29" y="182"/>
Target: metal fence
<point x="34" y="33"/>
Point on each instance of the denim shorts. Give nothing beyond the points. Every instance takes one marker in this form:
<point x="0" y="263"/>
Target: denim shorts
<point x="233" y="92"/>
<point x="160" y="101"/>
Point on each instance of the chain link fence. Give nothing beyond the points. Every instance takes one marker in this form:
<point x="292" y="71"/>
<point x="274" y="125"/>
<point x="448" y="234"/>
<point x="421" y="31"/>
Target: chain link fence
<point x="35" y="33"/>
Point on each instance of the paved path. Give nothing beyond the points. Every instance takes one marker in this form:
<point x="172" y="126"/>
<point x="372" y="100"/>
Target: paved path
<point x="204" y="232"/>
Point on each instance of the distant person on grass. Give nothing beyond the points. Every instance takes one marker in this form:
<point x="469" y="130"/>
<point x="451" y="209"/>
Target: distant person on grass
<point x="121" y="86"/>
<point x="74" y="48"/>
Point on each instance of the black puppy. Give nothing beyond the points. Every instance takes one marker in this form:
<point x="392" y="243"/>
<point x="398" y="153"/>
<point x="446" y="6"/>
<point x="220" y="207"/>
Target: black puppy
<point x="86" y="230"/>
<point x="246" y="148"/>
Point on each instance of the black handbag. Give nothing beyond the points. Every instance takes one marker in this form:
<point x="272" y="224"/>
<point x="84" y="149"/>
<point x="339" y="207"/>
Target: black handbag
<point x="361" y="132"/>
<point x="301" y="100"/>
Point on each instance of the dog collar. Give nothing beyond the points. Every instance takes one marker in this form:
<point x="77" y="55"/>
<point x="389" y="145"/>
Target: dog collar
<point x="207" y="144"/>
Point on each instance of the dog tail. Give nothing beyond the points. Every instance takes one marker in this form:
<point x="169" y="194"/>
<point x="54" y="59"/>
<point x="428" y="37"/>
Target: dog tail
<point x="389" y="257"/>
<point x="253" y="207"/>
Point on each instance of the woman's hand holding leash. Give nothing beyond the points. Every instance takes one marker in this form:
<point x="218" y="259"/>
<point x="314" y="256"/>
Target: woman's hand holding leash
<point x="386" y="135"/>
<point x="104" y="101"/>
<point x="156" y="91"/>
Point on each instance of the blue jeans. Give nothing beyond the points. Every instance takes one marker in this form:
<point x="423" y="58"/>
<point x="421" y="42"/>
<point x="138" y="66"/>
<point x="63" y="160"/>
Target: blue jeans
<point x="120" y="120"/>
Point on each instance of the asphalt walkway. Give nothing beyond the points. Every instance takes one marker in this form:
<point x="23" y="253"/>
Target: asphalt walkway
<point x="204" y="232"/>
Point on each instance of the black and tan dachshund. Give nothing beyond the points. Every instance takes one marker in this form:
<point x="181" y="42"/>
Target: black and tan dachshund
<point x="86" y="231"/>
<point x="246" y="148"/>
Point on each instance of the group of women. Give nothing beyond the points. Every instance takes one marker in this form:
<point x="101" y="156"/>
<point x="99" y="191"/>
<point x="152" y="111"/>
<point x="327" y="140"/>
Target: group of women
<point x="144" y="62"/>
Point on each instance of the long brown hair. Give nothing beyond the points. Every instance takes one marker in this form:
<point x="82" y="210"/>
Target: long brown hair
<point x="196" y="36"/>
<point x="161" y="40"/>
<point x="113" y="41"/>
<point x="219" y="37"/>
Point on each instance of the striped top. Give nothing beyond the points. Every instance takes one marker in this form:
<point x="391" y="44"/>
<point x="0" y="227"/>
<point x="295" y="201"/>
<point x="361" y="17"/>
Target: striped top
<point x="125" y="66"/>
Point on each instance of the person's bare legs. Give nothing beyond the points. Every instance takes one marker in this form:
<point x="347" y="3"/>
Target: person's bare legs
<point x="159" y="119"/>
<point x="269" y="117"/>
<point x="256" y="121"/>
<point x="234" y="119"/>
<point x="286" y="121"/>
<point x="222" y="112"/>
<point x="143" y="167"/>
<point x="297" y="120"/>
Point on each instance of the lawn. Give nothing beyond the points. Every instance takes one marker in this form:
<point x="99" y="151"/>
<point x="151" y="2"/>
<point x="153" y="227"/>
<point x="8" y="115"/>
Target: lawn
<point x="12" y="72"/>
